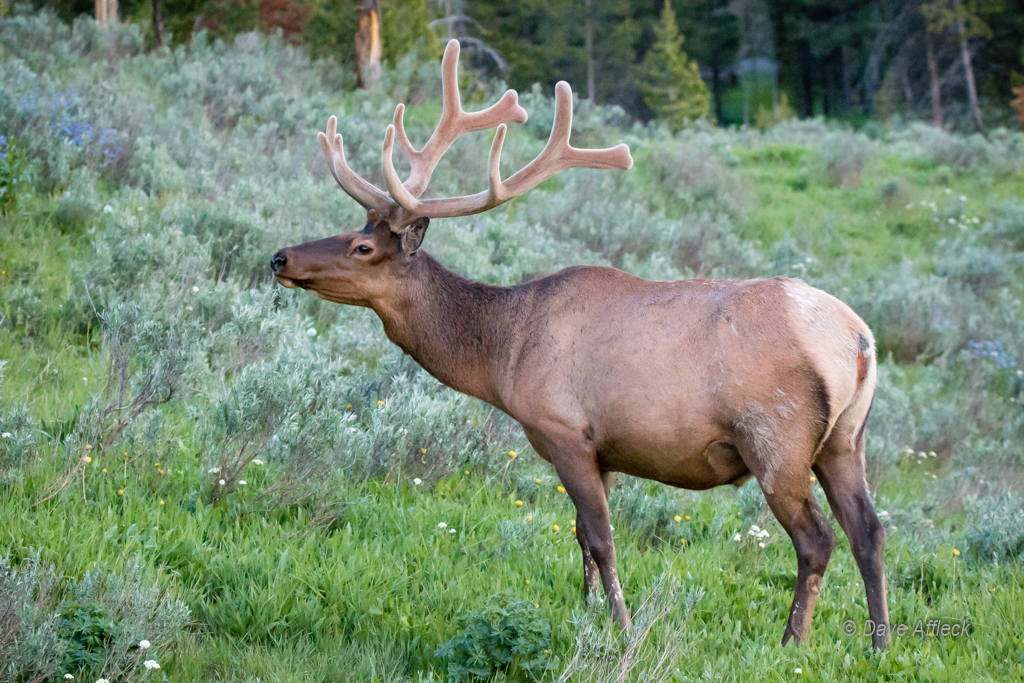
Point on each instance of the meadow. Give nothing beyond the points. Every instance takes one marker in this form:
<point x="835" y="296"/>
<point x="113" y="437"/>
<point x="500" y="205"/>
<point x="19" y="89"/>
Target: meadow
<point x="260" y="486"/>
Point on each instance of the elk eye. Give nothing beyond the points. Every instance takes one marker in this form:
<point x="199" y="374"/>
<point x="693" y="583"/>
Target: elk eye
<point x="363" y="249"/>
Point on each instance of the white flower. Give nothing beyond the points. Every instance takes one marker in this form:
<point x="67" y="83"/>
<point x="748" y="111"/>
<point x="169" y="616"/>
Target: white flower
<point x="144" y="644"/>
<point x="257" y="461"/>
<point x="213" y="470"/>
<point x="221" y="482"/>
<point x="241" y="482"/>
<point x="737" y="538"/>
<point x="451" y="531"/>
<point x="68" y="677"/>
<point x="442" y="525"/>
<point x="948" y="191"/>
<point x="417" y="481"/>
<point x="150" y="664"/>
<point x="188" y="308"/>
<point x="108" y="209"/>
<point x="311" y="332"/>
<point x="6" y="435"/>
<point x="754" y="530"/>
<point x="760" y="545"/>
<point x="102" y="680"/>
<point x="963" y="198"/>
<point x="611" y="527"/>
<point x="798" y="670"/>
<point x="910" y="206"/>
<point x="195" y="290"/>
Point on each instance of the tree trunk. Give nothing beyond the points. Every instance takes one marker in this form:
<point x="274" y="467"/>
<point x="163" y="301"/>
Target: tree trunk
<point x="807" y="77"/>
<point x="158" y="22"/>
<point x="933" y="79"/>
<point x="368" y="45"/>
<point x="972" y="90"/>
<point x="589" y="43"/>
<point x="106" y="11"/>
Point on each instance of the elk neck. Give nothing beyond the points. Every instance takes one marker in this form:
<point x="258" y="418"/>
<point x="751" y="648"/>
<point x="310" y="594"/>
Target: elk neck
<point x="461" y="332"/>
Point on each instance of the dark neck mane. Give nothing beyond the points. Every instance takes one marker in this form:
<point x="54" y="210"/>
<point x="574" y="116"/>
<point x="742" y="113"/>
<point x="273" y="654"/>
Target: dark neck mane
<point x="460" y="331"/>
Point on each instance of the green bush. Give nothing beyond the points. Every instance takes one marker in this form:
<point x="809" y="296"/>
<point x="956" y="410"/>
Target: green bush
<point x="507" y="636"/>
<point x="995" y="527"/>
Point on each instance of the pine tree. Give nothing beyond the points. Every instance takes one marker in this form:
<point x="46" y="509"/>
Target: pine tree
<point x="673" y="88"/>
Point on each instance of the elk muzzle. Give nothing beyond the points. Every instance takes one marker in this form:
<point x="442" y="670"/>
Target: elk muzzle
<point x="278" y="264"/>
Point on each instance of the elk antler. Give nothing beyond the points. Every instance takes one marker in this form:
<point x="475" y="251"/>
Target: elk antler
<point x="404" y="206"/>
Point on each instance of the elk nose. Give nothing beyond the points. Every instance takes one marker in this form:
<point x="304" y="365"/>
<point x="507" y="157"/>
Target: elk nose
<point x="278" y="262"/>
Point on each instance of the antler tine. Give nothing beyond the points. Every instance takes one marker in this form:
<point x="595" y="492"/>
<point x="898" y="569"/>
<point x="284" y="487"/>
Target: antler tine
<point x="556" y="156"/>
<point x="453" y="123"/>
<point x="356" y="187"/>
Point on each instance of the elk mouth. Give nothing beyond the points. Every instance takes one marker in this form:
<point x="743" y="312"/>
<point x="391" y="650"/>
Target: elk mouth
<point x="291" y="283"/>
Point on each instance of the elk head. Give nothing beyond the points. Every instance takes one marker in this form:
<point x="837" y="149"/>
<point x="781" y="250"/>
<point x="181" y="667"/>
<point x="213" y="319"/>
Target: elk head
<point x="360" y="267"/>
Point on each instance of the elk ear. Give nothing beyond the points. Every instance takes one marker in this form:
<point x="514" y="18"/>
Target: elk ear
<point x="412" y="238"/>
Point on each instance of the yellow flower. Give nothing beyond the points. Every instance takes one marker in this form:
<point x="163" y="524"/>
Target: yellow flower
<point x="88" y="446"/>
<point x="956" y="552"/>
<point x="529" y="518"/>
<point x="554" y="527"/>
<point x="519" y="503"/>
<point x="527" y="582"/>
<point x="511" y="454"/>
<point x="87" y="460"/>
<point x="561" y="489"/>
<point x="687" y="518"/>
<point x="156" y="464"/>
<point x="813" y="479"/>
<point x="682" y="540"/>
<point x="536" y="606"/>
<point x="160" y="471"/>
<point x="104" y="470"/>
<point x="348" y="406"/>
<point x="467" y="471"/>
<point x="678" y="518"/>
<point x="120" y="492"/>
<point x="126" y="452"/>
<point x="547" y="652"/>
<point x="161" y="502"/>
<point x="380" y="403"/>
<point x="536" y="481"/>
<point x="572" y="521"/>
<point x="423" y="451"/>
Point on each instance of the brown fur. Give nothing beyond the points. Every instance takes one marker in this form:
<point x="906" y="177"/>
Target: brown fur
<point x="694" y="384"/>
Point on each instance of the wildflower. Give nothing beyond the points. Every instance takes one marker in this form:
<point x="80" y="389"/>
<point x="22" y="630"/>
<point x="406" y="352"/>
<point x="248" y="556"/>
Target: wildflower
<point x="68" y="677"/>
<point x="188" y="308"/>
<point x="104" y="470"/>
<point x="554" y="527"/>
<point x="213" y="470"/>
<point x="754" y="530"/>
<point x="311" y="332"/>
<point x="195" y="289"/>
<point x="161" y="502"/>
<point x="737" y="538"/>
<point x="956" y="552"/>
<point x="156" y="464"/>
<point x="257" y="461"/>
<point x="348" y="407"/>
<point x="963" y="198"/>
<point x="107" y="208"/>
<point x="467" y="471"/>
<point x="241" y="482"/>
<point x="442" y="525"/>
<point x="572" y="521"/>
<point x="423" y="451"/>
<point x="798" y="670"/>
<point x="6" y="435"/>
<point x="682" y="540"/>
<point x="511" y="454"/>
<point x="813" y="479"/>
<point x="536" y="481"/>
<point x="120" y="492"/>
<point x="527" y="582"/>
<point x="417" y="481"/>
<point x="380" y="403"/>
<point x="102" y="680"/>
<point x="144" y="644"/>
<point x="519" y="503"/>
<point x="678" y="518"/>
<point x="222" y="482"/>
<point x="150" y="664"/>
<point x="529" y="518"/>
<point x="451" y="531"/>
<point x="687" y="518"/>
<point x="948" y="191"/>
<point x="88" y="446"/>
<point x="760" y="545"/>
<point x="87" y="460"/>
<point x="561" y="489"/>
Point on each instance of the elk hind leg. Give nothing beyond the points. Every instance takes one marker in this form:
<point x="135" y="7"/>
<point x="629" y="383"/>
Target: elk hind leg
<point x="840" y="467"/>
<point x="591" y="573"/>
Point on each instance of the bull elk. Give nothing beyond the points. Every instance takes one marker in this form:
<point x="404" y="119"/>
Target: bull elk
<point x="694" y="384"/>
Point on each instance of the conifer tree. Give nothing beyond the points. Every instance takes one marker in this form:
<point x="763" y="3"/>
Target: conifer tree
<point x="672" y="88"/>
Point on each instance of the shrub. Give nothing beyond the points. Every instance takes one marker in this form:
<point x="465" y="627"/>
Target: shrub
<point x="842" y="156"/>
<point x="995" y="526"/>
<point x="14" y="177"/>
<point x="507" y="636"/>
